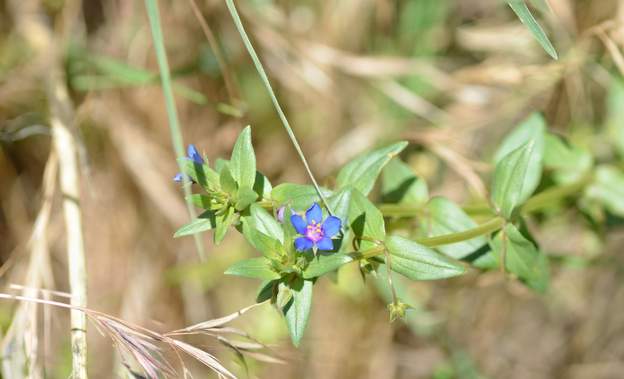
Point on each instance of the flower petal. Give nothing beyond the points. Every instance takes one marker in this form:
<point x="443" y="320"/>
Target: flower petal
<point x="178" y="177"/>
<point x="194" y="155"/>
<point x="314" y="214"/>
<point x="325" y="244"/>
<point x="280" y="214"/>
<point x="331" y="226"/>
<point x="299" y="224"/>
<point x="303" y="244"/>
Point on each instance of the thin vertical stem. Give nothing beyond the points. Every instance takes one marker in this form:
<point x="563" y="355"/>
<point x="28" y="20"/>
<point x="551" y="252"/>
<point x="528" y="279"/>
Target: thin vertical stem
<point x="172" y="113"/>
<point x="65" y="147"/>
<point x="267" y="85"/>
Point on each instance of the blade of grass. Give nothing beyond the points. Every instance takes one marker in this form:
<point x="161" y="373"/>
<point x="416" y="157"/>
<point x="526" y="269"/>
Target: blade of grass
<point x="267" y="85"/>
<point x="172" y="113"/>
<point x="524" y="14"/>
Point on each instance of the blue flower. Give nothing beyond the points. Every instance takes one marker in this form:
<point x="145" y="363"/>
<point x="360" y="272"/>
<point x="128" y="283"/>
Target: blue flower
<point x="193" y="155"/>
<point x="316" y="234"/>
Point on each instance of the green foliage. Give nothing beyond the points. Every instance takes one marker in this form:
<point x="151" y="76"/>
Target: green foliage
<point x="400" y="185"/>
<point x="510" y="178"/>
<point x="615" y="114"/>
<point x="418" y="262"/>
<point x="243" y="160"/>
<point x="566" y="162"/>
<point x="323" y="264"/>
<point x="444" y="217"/>
<point x="530" y="130"/>
<point x="365" y="220"/>
<point x="362" y="172"/>
<point x="256" y="268"/>
<point x="524" y="14"/>
<point x="608" y="189"/>
<point x="235" y="194"/>
<point x="297" y="196"/>
<point x="297" y="310"/>
<point x="521" y="258"/>
<point x="205" y="221"/>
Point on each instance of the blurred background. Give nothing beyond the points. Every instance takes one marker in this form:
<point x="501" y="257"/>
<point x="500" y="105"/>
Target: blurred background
<point x="451" y="77"/>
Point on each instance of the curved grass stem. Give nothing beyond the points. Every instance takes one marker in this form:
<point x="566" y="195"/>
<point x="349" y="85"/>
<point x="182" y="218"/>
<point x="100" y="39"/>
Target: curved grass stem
<point x="267" y="84"/>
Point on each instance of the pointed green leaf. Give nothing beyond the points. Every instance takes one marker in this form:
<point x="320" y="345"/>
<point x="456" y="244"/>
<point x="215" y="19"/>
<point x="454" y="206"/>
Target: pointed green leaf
<point x="245" y="196"/>
<point x="362" y="172"/>
<point x="200" y="201"/>
<point x="256" y="268"/>
<point x="262" y="186"/>
<point x="203" y="222"/>
<point x="322" y="264"/>
<point x="265" y="223"/>
<point x="509" y="179"/>
<point x="568" y="163"/>
<point x="418" y="262"/>
<point x="533" y="129"/>
<point x="524" y="14"/>
<point x="297" y="310"/>
<point x="444" y="217"/>
<point x="224" y="222"/>
<point x="365" y="220"/>
<point x="522" y="258"/>
<point x="608" y="189"/>
<point x="400" y="185"/>
<point x="228" y="184"/>
<point x="243" y="160"/>
<point x="298" y="196"/>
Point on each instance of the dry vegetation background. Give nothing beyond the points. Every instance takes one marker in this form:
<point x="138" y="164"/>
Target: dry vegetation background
<point x="450" y="76"/>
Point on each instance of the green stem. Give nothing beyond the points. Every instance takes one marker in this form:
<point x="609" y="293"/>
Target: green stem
<point x="267" y="84"/>
<point x="172" y="114"/>
<point x="445" y="239"/>
<point x="547" y="197"/>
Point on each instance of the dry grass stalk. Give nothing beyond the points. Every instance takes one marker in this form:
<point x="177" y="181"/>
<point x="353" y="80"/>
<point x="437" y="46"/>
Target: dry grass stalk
<point x="142" y="344"/>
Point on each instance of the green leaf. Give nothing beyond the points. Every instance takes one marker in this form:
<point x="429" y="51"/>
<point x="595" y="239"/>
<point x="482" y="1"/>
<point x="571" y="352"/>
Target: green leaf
<point x="509" y="180"/>
<point x="568" y="163"/>
<point x="266" y="290"/>
<point x="243" y="160"/>
<point x="418" y="262"/>
<point x="608" y="189"/>
<point x="531" y="129"/>
<point x="400" y="185"/>
<point x="269" y="246"/>
<point x="615" y="114"/>
<point x="265" y="223"/>
<point x="522" y="258"/>
<point x="224" y="222"/>
<point x="322" y="264"/>
<point x="298" y="196"/>
<point x="444" y="217"/>
<point x="203" y="222"/>
<point x="200" y="201"/>
<point x="297" y="310"/>
<point x="256" y="268"/>
<point x="365" y="219"/>
<point x="340" y="203"/>
<point x="200" y="173"/>
<point x="362" y="172"/>
<point x="524" y="14"/>
<point x="228" y="184"/>
<point x="262" y="186"/>
<point x="245" y="196"/>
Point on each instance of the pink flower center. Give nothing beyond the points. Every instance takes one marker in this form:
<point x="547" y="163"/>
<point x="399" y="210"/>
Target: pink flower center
<point x="314" y="232"/>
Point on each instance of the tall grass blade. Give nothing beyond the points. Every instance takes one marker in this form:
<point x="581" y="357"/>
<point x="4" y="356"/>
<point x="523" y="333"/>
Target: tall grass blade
<point x="172" y="113"/>
<point x="524" y="14"/>
<point x="267" y="85"/>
